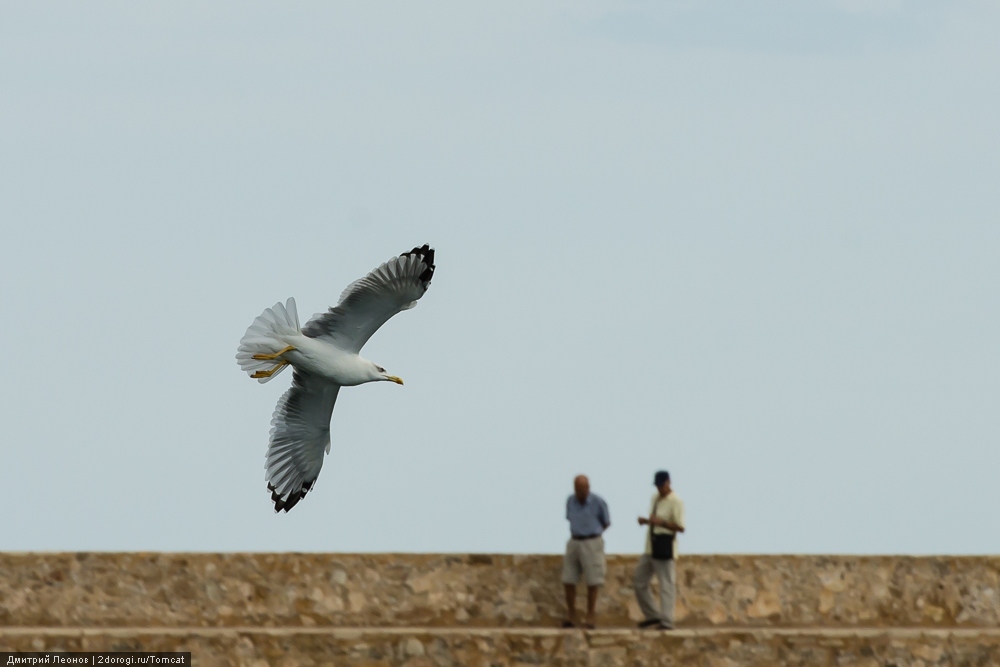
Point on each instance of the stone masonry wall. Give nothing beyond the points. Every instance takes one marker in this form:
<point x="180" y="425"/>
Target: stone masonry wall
<point x="472" y="647"/>
<point x="432" y="590"/>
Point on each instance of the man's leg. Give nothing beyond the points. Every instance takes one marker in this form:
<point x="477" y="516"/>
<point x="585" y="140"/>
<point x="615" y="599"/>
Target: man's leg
<point x="571" y="575"/>
<point x="595" y="568"/>
<point x="592" y="603"/>
<point x="570" y="602"/>
<point x="666" y="573"/>
<point x="640" y="582"/>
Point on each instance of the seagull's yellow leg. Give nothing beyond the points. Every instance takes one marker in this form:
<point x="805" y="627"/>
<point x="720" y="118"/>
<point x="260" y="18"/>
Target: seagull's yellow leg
<point x="268" y="373"/>
<point x="270" y="357"/>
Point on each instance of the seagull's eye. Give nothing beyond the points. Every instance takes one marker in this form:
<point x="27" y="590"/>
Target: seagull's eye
<point x="380" y="369"/>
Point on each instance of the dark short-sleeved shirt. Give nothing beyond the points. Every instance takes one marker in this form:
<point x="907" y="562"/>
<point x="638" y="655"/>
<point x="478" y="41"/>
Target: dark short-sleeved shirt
<point x="588" y="518"/>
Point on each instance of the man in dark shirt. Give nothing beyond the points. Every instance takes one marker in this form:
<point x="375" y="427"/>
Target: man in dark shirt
<point x="588" y="518"/>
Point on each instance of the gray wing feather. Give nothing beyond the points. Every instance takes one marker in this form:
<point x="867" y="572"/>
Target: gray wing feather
<point x="368" y="303"/>
<point x="300" y="438"/>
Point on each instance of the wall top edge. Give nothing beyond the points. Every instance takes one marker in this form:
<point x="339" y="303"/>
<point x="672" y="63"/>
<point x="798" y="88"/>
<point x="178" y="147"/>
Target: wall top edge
<point x="476" y="555"/>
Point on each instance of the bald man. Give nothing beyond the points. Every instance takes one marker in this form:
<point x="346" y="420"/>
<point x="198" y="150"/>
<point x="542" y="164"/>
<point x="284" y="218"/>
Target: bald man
<point x="588" y="518"/>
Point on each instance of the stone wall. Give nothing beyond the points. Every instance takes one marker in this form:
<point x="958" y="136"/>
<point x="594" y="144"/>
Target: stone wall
<point x="423" y="647"/>
<point x="429" y="590"/>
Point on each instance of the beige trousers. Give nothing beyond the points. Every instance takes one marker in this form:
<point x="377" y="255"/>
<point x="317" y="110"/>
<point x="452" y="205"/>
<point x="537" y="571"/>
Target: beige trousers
<point x="665" y="572"/>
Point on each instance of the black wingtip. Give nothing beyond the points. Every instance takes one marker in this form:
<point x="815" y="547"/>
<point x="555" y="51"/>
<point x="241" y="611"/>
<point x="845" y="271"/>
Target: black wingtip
<point x="285" y="504"/>
<point x="426" y="254"/>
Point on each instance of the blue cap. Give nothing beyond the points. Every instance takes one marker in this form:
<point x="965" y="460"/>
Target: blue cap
<point x="661" y="477"/>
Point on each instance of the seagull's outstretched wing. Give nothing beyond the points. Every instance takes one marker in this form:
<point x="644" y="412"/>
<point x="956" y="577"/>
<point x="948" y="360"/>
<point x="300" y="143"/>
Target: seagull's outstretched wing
<point x="300" y="438"/>
<point x="368" y="303"/>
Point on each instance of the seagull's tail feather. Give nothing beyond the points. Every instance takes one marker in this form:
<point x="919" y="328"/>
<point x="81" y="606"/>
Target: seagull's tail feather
<point x="268" y="334"/>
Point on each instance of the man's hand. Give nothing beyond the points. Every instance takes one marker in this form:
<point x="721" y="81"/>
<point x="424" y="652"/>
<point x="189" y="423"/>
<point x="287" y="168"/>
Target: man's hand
<point x="661" y="523"/>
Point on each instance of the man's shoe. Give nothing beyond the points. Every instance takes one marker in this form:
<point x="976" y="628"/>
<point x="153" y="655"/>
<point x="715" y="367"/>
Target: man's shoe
<point x="664" y="626"/>
<point x="650" y="622"/>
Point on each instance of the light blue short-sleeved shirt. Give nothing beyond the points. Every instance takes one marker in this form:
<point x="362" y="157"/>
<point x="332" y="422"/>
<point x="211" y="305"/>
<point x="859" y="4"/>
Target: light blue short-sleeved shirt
<point x="589" y="518"/>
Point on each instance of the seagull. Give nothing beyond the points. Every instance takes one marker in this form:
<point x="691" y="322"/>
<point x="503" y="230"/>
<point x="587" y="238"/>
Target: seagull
<point x="324" y="356"/>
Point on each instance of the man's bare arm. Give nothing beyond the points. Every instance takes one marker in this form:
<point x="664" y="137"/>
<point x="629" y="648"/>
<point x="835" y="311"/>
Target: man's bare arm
<point x="663" y="523"/>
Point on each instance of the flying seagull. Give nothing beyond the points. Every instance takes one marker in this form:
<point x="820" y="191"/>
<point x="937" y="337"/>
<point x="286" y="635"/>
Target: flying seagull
<point x="324" y="356"/>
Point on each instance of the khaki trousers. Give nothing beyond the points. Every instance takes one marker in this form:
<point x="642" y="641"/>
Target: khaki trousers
<point x="665" y="572"/>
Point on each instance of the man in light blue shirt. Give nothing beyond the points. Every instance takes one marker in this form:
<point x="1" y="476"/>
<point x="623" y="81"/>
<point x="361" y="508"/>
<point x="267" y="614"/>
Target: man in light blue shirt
<point x="588" y="518"/>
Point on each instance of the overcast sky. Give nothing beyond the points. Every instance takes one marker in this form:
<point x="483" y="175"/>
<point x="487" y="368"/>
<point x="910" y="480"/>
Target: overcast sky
<point x="756" y="244"/>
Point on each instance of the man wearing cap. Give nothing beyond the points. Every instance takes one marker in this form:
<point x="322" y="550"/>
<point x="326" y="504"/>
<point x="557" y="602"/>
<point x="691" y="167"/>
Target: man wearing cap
<point x="588" y="518"/>
<point x="665" y="521"/>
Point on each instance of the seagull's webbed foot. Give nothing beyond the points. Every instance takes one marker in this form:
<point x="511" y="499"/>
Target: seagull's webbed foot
<point x="271" y="357"/>
<point x="268" y="373"/>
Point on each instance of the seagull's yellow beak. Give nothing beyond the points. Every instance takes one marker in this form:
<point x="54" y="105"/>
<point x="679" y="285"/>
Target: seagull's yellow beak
<point x="393" y="378"/>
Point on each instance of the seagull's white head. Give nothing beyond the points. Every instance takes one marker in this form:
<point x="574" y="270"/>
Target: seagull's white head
<point x="378" y="373"/>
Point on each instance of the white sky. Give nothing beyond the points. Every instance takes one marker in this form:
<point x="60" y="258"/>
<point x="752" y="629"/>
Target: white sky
<point x="756" y="244"/>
